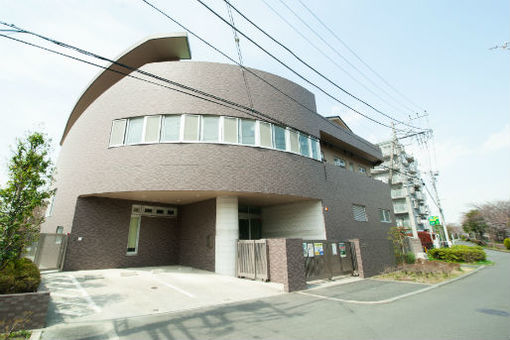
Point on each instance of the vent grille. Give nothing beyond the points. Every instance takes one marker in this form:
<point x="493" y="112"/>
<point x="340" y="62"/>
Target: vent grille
<point x="153" y="211"/>
<point x="359" y="212"/>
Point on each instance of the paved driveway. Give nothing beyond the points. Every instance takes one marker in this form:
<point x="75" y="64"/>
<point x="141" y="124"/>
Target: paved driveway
<point x="93" y="295"/>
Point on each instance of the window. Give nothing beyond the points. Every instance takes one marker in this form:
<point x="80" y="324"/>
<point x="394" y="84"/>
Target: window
<point x="118" y="129"/>
<point x="339" y="162"/>
<point x="362" y="170"/>
<point x="191" y="125"/>
<point x="210" y="128"/>
<point x="384" y="215"/>
<point x="266" y="138"/>
<point x="247" y="131"/>
<point x="51" y="204"/>
<point x="316" y="150"/>
<point x="294" y="142"/>
<point x="230" y="130"/>
<point x="279" y="138"/>
<point x="359" y="212"/>
<point x="152" y="129"/>
<point x="171" y="130"/>
<point x="133" y="235"/>
<point x="134" y="130"/>
<point x="351" y="166"/>
<point x="59" y="231"/>
<point x="304" y="145"/>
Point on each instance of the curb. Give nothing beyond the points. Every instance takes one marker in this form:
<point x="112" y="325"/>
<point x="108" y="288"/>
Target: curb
<point x="396" y="297"/>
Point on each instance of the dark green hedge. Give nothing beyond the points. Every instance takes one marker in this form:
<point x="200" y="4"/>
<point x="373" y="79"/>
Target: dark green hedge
<point x="458" y="253"/>
<point x="19" y="276"/>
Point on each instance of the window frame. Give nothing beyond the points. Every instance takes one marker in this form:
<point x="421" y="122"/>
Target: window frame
<point x="223" y="119"/>
<point x="135" y="252"/>
<point x="127" y="129"/>
<point x="364" y="212"/>
<point x="144" y="130"/>
<point x="163" y="123"/>
<point x="183" y="128"/>
<point x="384" y="215"/>
<point x="123" y="133"/>
<point x="341" y="162"/>
<point x="202" y="126"/>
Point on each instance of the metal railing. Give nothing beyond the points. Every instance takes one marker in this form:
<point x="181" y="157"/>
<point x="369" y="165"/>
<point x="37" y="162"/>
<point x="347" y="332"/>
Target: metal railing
<point x="252" y="260"/>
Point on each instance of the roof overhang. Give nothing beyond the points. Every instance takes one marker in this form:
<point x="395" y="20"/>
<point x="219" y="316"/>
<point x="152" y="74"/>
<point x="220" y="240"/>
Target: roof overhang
<point x="339" y="121"/>
<point x="373" y="158"/>
<point x="168" y="47"/>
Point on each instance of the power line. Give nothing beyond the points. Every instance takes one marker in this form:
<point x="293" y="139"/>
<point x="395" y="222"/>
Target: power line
<point x="262" y="79"/>
<point x="359" y="58"/>
<point x="302" y="61"/>
<point x="326" y="55"/>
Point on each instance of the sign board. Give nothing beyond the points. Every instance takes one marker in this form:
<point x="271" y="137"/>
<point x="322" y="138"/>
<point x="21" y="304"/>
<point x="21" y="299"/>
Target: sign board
<point x="341" y="248"/>
<point x="434" y="220"/>
<point x="310" y="250"/>
<point x="319" y="249"/>
<point x="334" y="249"/>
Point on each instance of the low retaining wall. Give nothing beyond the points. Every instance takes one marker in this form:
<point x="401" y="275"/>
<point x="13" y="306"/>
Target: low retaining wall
<point x="24" y="311"/>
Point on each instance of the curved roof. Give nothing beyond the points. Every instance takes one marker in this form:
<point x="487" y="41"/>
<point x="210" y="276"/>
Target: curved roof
<point x="168" y="47"/>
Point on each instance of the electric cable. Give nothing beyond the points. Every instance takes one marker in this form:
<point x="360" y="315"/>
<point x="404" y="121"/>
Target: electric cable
<point x="303" y="62"/>
<point x="359" y="58"/>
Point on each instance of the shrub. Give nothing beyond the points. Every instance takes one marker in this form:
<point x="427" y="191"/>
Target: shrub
<point x="506" y="242"/>
<point x="410" y="258"/>
<point x="19" y="276"/>
<point x="458" y="253"/>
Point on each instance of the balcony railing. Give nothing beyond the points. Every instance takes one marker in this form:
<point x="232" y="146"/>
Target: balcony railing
<point x="398" y="193"/>
<point x="399" y="208"/>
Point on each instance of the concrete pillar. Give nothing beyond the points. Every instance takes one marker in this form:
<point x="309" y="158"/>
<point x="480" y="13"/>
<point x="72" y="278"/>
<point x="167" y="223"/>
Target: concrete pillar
<point x="227" y="233"/>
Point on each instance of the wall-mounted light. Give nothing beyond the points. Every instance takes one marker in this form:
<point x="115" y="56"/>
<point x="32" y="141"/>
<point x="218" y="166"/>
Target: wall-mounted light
<point x="326" y="208"/>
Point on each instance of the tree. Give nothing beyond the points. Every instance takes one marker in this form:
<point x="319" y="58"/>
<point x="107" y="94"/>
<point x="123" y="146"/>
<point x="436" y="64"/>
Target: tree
<point x="25" y="194"/>
<point x="497" y="216"/>
<point x="473" y="222"/>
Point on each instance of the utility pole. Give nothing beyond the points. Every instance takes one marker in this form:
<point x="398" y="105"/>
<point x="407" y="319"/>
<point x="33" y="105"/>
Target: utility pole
<point x="433" y="176"/>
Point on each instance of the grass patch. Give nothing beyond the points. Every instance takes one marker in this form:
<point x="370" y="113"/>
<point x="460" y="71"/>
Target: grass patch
<point x="22" y="334"/>
<point x="428" y="272"/>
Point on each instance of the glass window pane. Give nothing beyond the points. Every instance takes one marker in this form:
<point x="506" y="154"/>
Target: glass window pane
<point x="134" y="130"/>
<point x="171" y="128"/>
<point x="134" y="225"/>
<point x="247" y="131"/>
<point x="316" y="150"/>
<point x="152" y="129"/>
<point x="304" y="145"/>
<point x="118" y="129"/>
<point x="230" y="130"/>
<point x="210" y="128"/>
<point x="265" y="135"/>
<point x="279" y="137"/>
<point x="191" y="124"/>
<point x="294" y="146"/>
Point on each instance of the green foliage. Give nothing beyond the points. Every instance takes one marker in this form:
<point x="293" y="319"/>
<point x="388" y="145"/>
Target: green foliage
<point x="397" y="235"/>
<point x="458" y="253"/>
<point x="474" y="222"/>
<point x="506" y="242"/>
<point x="24" y="196"/>
<point x="19" y="276"/>
<point x="410" y="258"/>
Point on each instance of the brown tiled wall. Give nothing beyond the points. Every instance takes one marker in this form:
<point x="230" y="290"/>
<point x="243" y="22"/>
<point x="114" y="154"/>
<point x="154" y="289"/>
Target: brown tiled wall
<point x="359" y="258"/>
<point x="31" y="308"/>
<point x="286" y="264"/>
<point x="103" y="225"/>
<point x="197" y="229"/>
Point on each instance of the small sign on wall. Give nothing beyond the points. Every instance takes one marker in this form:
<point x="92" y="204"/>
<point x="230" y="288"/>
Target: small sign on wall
<point x="310" y="250"/>
<point x="341" y="248"/>
<point x="334" y="249"/>
<point x="319" y="249"/>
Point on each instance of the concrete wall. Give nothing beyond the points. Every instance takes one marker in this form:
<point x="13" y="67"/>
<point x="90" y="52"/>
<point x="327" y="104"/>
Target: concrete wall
<point x="103" y="225"/>
<point x="302" y="219"/>
<point x="197" y="229"/>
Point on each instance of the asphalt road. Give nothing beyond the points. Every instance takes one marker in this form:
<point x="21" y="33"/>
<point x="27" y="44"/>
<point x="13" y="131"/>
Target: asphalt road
<point x="475" y="307"/>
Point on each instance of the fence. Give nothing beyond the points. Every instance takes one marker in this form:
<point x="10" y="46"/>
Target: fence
<point x="326" y="259"/>
<point x="48" y="251"/>
<point x="252" y="259"/>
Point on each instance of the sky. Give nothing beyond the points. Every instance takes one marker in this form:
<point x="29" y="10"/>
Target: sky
<point x="435" y="55"/>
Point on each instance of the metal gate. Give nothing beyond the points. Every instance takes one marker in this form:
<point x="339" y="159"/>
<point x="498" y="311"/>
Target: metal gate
<point x="252" y="259"/>
<point x="48" y="252"/>
<point x="326" y="259"/>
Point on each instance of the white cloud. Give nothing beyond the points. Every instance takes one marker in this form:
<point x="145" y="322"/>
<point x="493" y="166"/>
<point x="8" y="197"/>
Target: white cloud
<point x="498" y="140"/>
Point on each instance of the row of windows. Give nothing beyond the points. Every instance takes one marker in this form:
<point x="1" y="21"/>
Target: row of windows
<point x="359" y="213"/>
<point x="341" y="163"/>
<point x="212" y="129"/>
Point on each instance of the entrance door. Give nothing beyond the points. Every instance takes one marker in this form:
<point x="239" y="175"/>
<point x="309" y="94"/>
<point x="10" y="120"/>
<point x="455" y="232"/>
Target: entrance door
<point x="250" y="228"/>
